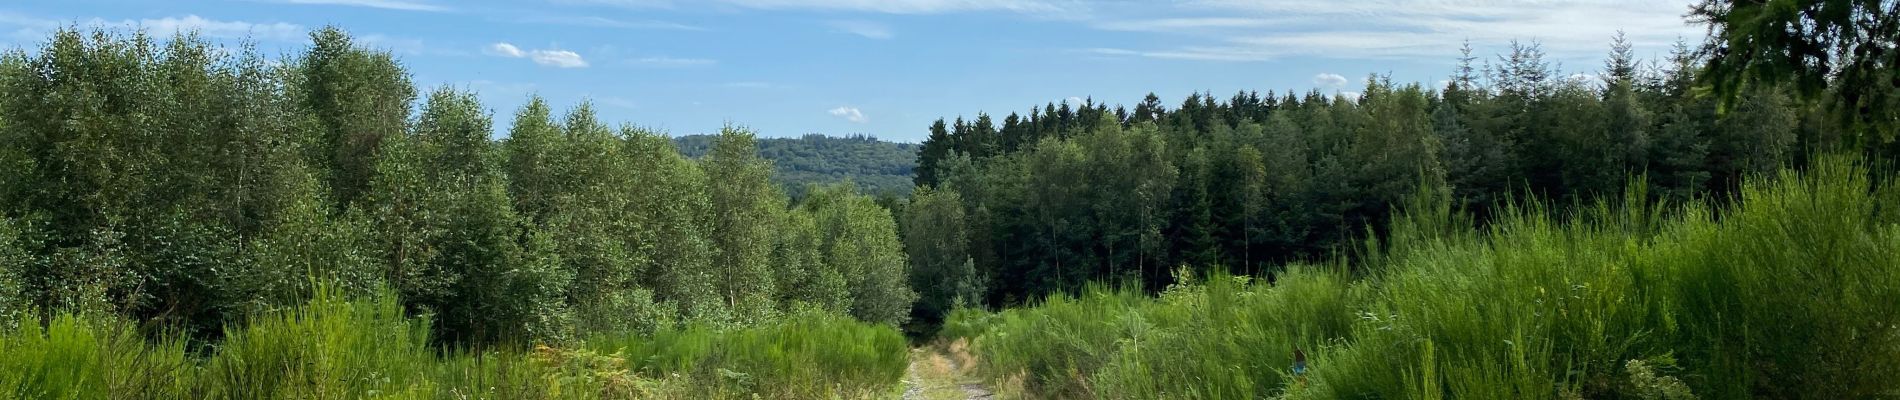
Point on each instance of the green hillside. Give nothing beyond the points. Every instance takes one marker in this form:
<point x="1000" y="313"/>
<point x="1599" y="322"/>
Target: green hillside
<point x="877" y="166"/>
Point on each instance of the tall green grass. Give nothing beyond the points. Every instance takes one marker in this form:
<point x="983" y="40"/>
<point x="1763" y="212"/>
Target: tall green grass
<point x="1791" y="292"/>
<point x="337" y="348"/>
<point x="810" y="355"/>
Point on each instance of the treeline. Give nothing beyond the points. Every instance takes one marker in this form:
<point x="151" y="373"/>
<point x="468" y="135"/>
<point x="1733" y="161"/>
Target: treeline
<point x="1069" y="194"/>
<point x="1790" y="292"/>
<point x="186" y="185"/>
<point x="876" y="166"/>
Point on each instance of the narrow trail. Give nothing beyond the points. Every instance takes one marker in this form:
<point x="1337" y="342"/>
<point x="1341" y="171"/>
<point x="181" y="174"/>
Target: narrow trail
<point x="942" y="372"/>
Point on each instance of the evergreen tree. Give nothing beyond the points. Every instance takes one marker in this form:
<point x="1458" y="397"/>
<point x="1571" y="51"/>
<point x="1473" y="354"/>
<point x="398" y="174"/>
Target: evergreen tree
<point x="936" y="148"/>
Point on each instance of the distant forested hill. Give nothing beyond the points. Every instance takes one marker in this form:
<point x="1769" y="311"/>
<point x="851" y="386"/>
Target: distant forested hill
<point x="877" y="166"/>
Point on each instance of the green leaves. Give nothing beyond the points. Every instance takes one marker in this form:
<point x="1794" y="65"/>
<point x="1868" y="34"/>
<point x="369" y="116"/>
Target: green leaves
<point x="189" y="186"/>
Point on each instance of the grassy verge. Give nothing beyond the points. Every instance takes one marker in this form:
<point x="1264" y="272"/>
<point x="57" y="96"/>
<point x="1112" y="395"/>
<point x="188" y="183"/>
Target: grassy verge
<point x="366" y="348"/>
<point x="1793" y="292"/>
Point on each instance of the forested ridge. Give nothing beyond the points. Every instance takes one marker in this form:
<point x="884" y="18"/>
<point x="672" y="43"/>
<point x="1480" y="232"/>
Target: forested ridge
<point x="877" y="167"/>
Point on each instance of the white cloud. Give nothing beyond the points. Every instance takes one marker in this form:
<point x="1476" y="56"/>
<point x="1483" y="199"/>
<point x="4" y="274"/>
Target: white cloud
<point x="663" y="61"/>
<point x="557" y="58"/>
<point x="544" y="57"/>
<point x="850" y="114"/>
<point x="404" y="5"/>
<point x="749" y="85"/>
<point x="503" y="49"/>
<point x="867" y="29"/>
<point x="1329" y="80"/>
<point x="210" y="27"/>
<point x="24" y="28"/>
<point x="1075" y="100"/>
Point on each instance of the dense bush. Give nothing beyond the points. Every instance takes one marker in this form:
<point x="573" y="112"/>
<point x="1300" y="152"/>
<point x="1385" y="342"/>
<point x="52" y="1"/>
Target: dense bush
<point x="1790" y="292"/>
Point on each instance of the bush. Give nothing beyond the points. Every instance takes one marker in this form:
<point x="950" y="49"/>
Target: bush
<point x="806" y="355"/>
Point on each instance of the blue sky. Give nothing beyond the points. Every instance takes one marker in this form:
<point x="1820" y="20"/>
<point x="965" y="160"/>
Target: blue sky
<point x="889" y="67"/>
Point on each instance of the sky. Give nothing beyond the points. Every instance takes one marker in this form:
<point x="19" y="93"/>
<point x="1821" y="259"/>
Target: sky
<point x="888" y="68"/>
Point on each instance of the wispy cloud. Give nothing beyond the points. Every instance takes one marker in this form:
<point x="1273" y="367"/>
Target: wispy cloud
<point x="1329" y="81"/>
<point x="24" y="28"/>
<point x="404" y="5"/>
<point x="867" y="29"/>
<point x="852" y="114"/>
<point x="557" y="58"/>
<point x="21" y="28"/>
<point x="504" y="50"/>
<point x="209" y="27"/>
<point x="749" y="85"/>
<point x="545" y="57"/>
<point x="663" y="61"/>
<point x="1258" y="30"/>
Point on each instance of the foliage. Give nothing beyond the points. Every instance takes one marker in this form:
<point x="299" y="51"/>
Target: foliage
<point x="746" y="209"/>
<point x="1073" y="193"/>
<point x="185" y="186"/>
<point x="858" y="242"/>
<point x="1790" y="294"/>
<point x="1837" y="53"/>
<point x="940" y="265"/>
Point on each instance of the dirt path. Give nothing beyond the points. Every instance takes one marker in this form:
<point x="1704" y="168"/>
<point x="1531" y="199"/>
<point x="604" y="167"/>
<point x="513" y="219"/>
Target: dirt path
<point x="942" y="372"/>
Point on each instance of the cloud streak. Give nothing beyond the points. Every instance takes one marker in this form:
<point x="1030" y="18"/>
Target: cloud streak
<point x="867" y="29"/>
<point x="544" y="57"/>
<point x="1329" y="80"/>
<point x="1262" y="30"/>
<point x="209" y="27"/>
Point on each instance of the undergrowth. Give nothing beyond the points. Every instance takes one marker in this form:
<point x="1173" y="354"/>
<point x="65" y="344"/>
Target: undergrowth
<point x="1793" y="291"/>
